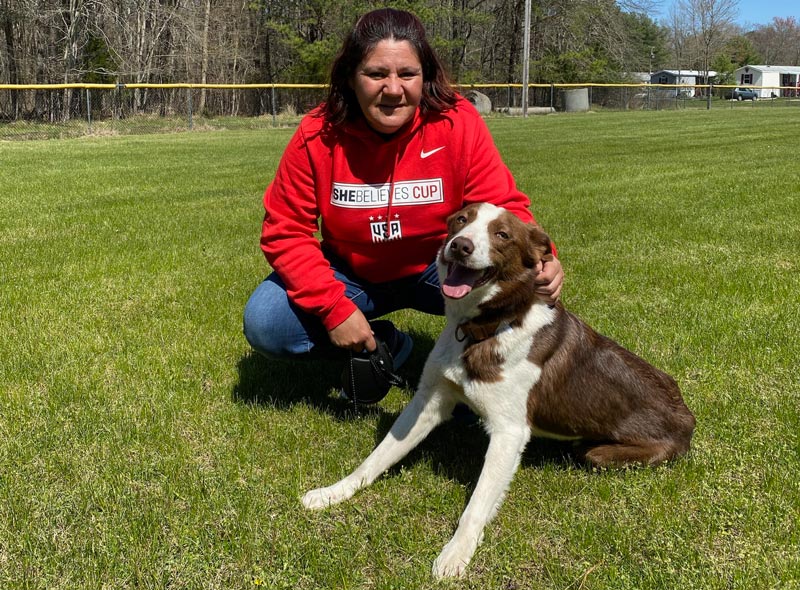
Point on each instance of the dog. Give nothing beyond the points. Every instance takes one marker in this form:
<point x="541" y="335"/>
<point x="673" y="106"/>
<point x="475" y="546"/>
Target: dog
<point x="527" y="369"/>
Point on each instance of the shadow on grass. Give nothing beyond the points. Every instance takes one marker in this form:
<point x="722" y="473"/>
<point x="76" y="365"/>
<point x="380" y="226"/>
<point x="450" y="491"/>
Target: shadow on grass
<point x="455" y="449"/>
<point x="283" y="384"/>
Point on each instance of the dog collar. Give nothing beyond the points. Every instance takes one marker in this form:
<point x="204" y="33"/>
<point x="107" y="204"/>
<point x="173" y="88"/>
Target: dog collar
<point x="475" y="332"/>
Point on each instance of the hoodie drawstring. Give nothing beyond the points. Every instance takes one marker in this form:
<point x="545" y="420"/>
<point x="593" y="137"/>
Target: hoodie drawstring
<point x="387" y="230"/>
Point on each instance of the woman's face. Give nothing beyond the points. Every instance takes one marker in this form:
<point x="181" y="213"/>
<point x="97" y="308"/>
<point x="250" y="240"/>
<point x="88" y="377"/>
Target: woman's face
<point x="388" y="85"/>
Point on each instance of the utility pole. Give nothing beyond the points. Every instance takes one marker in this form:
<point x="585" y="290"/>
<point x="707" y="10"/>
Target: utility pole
<point x="526" y="56"/>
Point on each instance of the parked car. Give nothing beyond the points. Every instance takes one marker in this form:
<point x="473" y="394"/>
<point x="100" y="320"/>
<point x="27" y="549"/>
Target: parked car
<point x="744" y="94"/>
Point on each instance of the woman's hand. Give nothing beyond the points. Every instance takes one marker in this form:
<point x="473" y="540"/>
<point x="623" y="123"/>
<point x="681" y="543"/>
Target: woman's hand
<point x="549" y="280"/>
<point x="354" y="333"/>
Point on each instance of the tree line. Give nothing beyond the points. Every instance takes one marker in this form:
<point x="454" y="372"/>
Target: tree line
<point x="294" y="41"/>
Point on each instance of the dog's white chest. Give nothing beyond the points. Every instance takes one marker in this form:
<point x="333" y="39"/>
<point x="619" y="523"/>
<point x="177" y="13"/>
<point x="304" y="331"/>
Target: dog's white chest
<point x="514" y="374"/>
<point x="446" y="356"/>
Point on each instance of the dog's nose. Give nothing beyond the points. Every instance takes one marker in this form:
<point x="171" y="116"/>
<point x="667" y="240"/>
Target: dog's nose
<point x="462" y="247"/>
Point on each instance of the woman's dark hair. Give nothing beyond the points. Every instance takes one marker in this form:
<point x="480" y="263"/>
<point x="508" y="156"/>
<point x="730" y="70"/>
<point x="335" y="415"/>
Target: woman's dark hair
<point x="372" y="28"/>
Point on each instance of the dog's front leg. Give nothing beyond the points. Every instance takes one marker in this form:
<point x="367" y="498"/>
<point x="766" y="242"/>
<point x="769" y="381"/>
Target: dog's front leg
<point x="423" y="413"/>
<point x="502" y="460"/>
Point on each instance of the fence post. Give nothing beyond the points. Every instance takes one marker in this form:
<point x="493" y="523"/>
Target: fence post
<point x="708" y="100"/>
<point x="189" y="107"/>
<point x="117" y="112"/>
<point x="89" y="108"/>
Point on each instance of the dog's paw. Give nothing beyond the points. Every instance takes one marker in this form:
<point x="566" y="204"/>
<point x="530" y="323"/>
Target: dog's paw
<point x="319" y="499"/>
<point x="452" y="561"/>
<point x="324" y="497"/>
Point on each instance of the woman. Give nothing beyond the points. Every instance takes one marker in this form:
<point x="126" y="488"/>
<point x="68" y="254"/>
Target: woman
<point x="380" y="166"/>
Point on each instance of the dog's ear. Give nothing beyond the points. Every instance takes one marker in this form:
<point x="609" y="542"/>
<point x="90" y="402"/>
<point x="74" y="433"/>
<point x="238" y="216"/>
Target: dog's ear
<point x="539" y="246"/>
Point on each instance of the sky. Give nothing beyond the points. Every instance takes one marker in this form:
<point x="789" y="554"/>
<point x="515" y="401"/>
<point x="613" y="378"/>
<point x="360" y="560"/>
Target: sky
<point x="761" y="12"/>
<point x="753" y="12"/>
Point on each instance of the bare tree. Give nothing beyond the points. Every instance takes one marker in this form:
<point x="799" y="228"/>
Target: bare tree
<point x="678" y="29"/>
<point x="73" y="23"/>
<point x="640" y="6"/>
<point x="8" y="18"/>
<point x="204" y="58"/>
<point x="779" y="42"/>
<point x="711" y="23"/>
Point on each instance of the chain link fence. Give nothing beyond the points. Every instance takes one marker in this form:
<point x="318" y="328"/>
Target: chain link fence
<point x="71" y="110"/>
<point x="57" y="111"/>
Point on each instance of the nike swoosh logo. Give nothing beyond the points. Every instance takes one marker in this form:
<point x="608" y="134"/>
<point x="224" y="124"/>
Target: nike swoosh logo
<point x="423" y="154"/>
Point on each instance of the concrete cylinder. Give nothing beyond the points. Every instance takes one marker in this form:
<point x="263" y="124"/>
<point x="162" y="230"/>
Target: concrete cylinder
<point x="576" y="100"/>
<point x="482" y="103"/>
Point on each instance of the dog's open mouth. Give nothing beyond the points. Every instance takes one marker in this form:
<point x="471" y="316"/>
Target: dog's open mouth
<point x="460" y="280"/>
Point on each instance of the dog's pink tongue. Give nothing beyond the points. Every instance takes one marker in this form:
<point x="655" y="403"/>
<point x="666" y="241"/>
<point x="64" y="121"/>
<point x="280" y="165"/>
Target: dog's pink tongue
<point x="459" y="281"/>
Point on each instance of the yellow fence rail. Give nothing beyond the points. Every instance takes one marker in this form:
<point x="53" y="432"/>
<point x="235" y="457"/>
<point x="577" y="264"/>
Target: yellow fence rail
<point x="62" y="110"/>
<point x="193" y="86"/>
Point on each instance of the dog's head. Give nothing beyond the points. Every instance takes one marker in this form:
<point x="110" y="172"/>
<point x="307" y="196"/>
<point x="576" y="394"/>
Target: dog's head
<point x="488" y="248"/>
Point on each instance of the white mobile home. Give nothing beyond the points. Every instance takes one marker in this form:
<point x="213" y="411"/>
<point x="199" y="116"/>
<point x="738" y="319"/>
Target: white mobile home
<point x="691" y="78"/>
<point x="775" y="80"/>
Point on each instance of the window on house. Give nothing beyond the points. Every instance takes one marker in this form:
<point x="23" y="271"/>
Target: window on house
<point x="662" y="79"/>
<point x="747" y="78"/>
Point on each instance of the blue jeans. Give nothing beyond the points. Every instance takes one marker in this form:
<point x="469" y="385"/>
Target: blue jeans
<point x="277" y="328"/>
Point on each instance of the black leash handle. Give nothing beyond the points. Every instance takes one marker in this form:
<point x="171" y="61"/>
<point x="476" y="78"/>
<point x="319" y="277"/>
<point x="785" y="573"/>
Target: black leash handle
<point x="381" y="364"/>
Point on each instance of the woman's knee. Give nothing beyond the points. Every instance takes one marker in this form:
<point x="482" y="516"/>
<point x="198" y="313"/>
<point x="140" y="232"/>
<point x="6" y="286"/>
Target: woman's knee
<point x="270" y="324"/>
<point x="257" y="329"/>
<point x="265" y="317"/>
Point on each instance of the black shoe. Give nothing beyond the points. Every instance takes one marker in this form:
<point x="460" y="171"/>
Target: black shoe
<point x="400" y="344"/>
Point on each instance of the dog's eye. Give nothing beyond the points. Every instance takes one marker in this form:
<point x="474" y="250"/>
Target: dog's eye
<point x="502" y="235"/>
<point x="462" y="219"/>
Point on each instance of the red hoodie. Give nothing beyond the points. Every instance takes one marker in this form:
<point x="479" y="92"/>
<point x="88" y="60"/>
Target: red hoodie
<point x="434" y="166"/>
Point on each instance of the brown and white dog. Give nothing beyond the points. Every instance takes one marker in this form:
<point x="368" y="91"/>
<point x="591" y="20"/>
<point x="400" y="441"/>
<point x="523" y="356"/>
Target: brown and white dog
<point x="527" y="369"/>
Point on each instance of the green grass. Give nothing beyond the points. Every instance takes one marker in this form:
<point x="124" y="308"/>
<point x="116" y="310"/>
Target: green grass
<point x="142" y="445"/>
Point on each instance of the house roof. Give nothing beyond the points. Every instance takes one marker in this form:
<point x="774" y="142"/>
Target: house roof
<point x="687" y="73"/>
<point x="641" y="76"/>
<point x="777" y="69"/>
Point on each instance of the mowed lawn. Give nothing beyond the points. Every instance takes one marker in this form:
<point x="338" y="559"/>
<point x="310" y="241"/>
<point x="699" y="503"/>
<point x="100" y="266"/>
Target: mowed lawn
<point x="142" y="444"/>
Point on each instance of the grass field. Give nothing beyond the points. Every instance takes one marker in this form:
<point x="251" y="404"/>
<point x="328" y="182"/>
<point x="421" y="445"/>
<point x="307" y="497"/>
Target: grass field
<point x="142" y="445"/>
